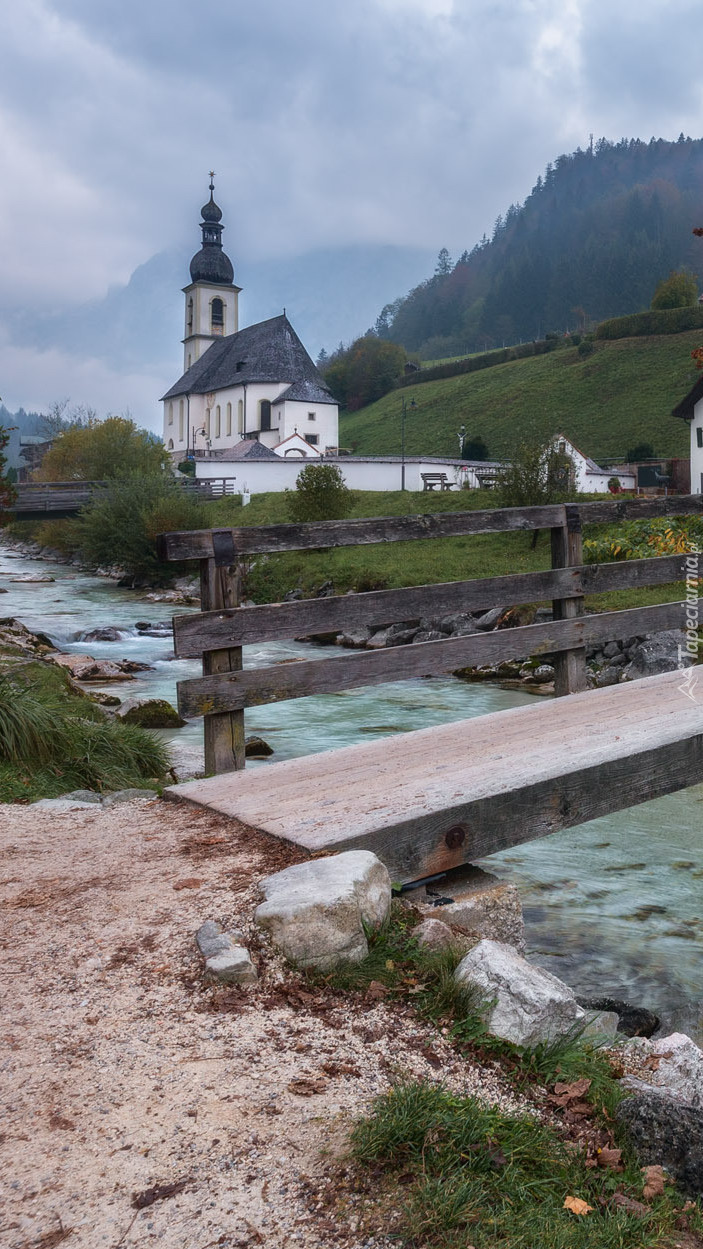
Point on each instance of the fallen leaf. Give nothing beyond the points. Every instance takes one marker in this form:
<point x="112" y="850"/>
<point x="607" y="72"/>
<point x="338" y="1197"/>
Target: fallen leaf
<point x="190" y="882"/>
<point x="340" y="1069"/>
<point x="577" y="1206"/>
<point x="630" y="1205"/>
<point x="376" y="991"/>
<point x="574" y="1090"/>
<point x="653" y="1182"/>
<point x="61" y="1124"/>
<point x="306" y="1086"/>
<point x="156" y="1193"/>
<point x="610" y="1158"/>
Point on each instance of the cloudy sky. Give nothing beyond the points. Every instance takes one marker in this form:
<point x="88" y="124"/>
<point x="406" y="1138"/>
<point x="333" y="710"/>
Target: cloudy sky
<point x="410" y="122"/>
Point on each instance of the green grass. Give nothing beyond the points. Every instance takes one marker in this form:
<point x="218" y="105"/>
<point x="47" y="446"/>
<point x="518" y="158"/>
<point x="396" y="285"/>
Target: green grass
<point x="451" y="1173"/>
<point x="53" y="741"/>
<point x="620" y="395"/>
<point x="447" y="1172"/>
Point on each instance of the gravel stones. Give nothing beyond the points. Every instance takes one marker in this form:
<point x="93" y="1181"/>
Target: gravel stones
<point x="317" y="912"/>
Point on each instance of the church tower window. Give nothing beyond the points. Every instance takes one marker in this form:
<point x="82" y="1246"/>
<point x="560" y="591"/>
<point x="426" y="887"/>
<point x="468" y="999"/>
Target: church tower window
<point x="217" y="316"/>
<point x="265" y="414"/>
<point x="190" y="315"/>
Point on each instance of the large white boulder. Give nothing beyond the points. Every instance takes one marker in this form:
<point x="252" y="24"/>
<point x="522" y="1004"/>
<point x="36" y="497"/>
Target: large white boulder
<point x="525" y="1004"/>
<point x="317" y="912"/>
<point x="678" y="1072"/>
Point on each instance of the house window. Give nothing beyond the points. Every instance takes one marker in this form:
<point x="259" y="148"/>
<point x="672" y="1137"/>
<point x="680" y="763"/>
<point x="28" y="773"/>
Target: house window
<point x="313" y="439"/>
<point x="312" y="416"/>
<point x="699" y="435"/>
<point x="207" y="422"/>
<point x="170" y="414"/>
<point x="229" y="420"/>
<point x="265" y="414"/>
<point x="180" y="421"/>
<point x="240" y="416"/>
<point x="218" y="422"/>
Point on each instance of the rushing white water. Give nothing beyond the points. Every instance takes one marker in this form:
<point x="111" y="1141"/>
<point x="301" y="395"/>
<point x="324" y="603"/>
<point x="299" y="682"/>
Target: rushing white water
<point x="614" y="907"/>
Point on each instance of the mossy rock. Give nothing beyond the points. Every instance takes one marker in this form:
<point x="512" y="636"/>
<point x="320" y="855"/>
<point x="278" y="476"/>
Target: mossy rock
<point x="155" y="713"/>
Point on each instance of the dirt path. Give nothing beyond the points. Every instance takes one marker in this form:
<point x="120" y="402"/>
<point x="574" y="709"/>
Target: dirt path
<point x="123" y="1071"/>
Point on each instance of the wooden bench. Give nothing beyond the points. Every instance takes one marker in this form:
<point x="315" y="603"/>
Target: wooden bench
<point x="430" y="480"/>
<point x="446" y="795"/>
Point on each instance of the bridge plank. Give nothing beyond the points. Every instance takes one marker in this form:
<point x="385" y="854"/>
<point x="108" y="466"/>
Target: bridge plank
<point x="273" y="622"/>
<point x="432" y="799"/>
<point x="256" y="686"/>
<point x="261" y="539"/>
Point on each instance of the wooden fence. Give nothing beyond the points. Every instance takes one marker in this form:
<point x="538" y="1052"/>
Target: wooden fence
<point x="223" y="627"/>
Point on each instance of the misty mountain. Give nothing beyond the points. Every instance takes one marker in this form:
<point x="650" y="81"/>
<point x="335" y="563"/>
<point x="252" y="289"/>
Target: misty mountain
<point x="330" y="295"/>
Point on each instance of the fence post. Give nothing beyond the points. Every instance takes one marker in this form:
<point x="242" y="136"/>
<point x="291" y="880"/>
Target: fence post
<point x="567" y="552"/>
<point x="220" y="586"/>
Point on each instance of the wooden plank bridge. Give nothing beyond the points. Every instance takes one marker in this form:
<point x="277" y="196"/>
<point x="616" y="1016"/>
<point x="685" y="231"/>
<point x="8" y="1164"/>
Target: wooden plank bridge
<point x="432" y="799"/>
<point x="38" y="499"/>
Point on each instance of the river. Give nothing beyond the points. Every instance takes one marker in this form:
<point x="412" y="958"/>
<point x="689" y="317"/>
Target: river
<point x="614" y="907"/>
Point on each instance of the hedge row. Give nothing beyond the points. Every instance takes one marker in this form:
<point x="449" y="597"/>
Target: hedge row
<point x="471" y="364"/>
<point x="664" y="321"/>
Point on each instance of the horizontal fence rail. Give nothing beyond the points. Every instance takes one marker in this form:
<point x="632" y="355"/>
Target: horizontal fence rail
<point x="276" y="622"/>
<point x="257" y="686"/>
<point x="218" y="633"/>
<point x="271" y="539"/>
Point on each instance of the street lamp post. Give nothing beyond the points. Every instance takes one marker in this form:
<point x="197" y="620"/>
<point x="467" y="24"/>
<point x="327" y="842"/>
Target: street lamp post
<point x="403" y="410"/>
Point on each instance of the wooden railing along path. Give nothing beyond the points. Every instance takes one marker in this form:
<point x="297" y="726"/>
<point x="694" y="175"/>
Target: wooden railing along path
<point x="37" y="498"/>
<point x="223" y="627"/>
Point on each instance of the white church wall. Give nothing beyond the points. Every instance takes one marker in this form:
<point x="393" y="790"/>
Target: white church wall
<point x="262" y="476"/>
<point x="319" y="419"/>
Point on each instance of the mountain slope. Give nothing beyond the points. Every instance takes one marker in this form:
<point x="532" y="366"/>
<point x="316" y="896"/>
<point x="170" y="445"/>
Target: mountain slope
<point x="605" y="403"/>
<point x="591" y="241"/>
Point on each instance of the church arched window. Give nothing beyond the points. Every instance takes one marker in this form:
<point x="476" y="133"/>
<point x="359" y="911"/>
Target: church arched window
<point x="218" y="421"/>
<point x="207" y="422"/>
<point x="265" y="414"/>
<point x="217" y="316"/>
<point x="170" y="414"/>
<point x="229" y="420"/>
<point x="180" y="420"/>
<point x="170" y="444"/>
<point x="240" y="416"/>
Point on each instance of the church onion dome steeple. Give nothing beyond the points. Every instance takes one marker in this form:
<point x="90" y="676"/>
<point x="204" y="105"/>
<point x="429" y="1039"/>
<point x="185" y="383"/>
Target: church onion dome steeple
<point x="211" y="264"/>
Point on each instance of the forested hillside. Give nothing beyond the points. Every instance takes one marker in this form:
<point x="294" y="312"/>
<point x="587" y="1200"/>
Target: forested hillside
<point x="591" y="241"/>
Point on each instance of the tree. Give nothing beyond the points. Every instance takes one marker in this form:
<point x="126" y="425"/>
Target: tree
<point x="60" y="417"/>
<point x="102" y="450"/>
<point x="444" y="263"/>
<point x="321" y="493"/>
<point x="7" y="492"/>
<point x="365" y="371"/>
<point x="538" y="473"/>
<point x="679" y="290"/>
<point x="643" y="451"/>
<point x="475" y="449"/>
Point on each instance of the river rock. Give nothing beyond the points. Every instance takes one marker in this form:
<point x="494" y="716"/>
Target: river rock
<point x="662" y="652"/>
<point x="633" y="1021"/>
<point x="82" y="795"/>
<point x="355" y="639"/>
<point x="152" y="713"/>
<point x="490" y="619"/>
<point x="318" y="913"/>
<point x="679" y="1070"/>
<point x="607" y="676"/>
<point x="106" y="634"/>
<point x="32" y="578"/>
<point x="129" y="795"/>
<point x="429" y="635"/>
<point x="225" y="958"/>
<point x="61" y="805"/>
<point x="434" y="934"/>
<point x="524" y="1004"/>
<point x="257" y="748"/>
<point x="666" y="1133"/>
<point x="477" y="901"/>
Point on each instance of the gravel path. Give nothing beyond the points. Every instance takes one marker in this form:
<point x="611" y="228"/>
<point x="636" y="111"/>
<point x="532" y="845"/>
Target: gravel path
<point x="123" y="1071"/>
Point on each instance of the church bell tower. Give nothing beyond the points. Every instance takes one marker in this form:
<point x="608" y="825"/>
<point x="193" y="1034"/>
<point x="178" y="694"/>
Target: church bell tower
<point x="211" y="307"/>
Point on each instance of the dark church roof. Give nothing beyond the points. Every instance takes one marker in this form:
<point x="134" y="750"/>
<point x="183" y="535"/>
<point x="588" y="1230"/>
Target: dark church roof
<point x="267" y="352"/>
<point x="250" y="449"/>
<point x="211" y="264"/>
<point x="686" y="406"/>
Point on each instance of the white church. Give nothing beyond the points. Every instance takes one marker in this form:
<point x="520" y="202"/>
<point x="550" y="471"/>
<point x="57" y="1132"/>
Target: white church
<point x="691" y="409"/>
<point x="247" y="394"/>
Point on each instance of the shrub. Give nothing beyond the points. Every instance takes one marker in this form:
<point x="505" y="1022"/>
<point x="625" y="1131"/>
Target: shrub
<point x="536" y="474"/>
<point x="321" y="493"/>
<point x="642" y="324"/>
<point x="102" y="450"/>
<point x="642" y="451"/>
<point x="641" y="539"/>
<point x="121" y="523"/>
<point x="679" y="290"/>
<point x="586" y="348"/>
